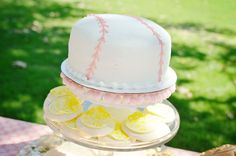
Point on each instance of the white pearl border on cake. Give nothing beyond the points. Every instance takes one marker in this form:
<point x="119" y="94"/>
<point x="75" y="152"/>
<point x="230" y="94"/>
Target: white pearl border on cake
<point x="168" y="81"/>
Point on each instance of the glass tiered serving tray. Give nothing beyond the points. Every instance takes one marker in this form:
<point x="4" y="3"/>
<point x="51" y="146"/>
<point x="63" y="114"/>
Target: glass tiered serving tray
<point x="104" y="145"/>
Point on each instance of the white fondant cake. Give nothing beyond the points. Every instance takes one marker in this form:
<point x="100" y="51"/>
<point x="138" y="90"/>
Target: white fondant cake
<point x="119" y="53"/>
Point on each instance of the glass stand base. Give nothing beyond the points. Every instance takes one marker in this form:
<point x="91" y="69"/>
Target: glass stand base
<point x="159" y="151"/>
<point x="51" y="145"/>
<point x="69" y="148"/>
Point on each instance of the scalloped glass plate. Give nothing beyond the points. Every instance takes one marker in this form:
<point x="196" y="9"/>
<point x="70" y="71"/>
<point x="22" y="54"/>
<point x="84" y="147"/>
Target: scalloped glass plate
<point x="116" y="145"/>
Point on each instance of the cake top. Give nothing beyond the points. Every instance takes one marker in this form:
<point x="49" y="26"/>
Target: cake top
<point x="119" y="53"/>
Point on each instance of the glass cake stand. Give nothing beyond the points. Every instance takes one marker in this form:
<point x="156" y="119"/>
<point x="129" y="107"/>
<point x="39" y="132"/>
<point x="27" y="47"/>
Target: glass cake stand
<point x="108" y="148"/>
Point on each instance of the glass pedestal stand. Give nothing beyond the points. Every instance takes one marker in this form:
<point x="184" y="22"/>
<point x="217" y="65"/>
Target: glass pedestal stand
<point x="102" y="148"/>
<point x="69" y="148"/>
<point x="81" y="150"/>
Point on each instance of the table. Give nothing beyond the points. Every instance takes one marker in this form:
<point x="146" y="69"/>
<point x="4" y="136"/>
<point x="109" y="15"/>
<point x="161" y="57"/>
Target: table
<point x="15" y="134"/>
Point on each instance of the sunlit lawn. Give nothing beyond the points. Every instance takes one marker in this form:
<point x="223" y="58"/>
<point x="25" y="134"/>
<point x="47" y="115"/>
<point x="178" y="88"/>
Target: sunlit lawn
<point x="203" y="55"/>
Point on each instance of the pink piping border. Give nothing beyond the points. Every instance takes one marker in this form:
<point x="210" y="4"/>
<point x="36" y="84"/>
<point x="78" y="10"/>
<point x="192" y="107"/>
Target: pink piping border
<point x="97" y="50"/>
<point x="119" y="99"/>
<point x="158" y="37"/>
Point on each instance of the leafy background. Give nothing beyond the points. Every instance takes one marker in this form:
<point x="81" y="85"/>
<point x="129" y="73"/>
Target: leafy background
<point x="34" y="38"/>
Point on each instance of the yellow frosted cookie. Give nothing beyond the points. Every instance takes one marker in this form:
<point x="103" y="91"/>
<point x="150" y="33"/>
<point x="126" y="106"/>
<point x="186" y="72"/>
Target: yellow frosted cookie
<point x="118" y="133"/>
<point x="120" y="114"/>
<point x="140" y="122"/>
<point x="62" y="105"/>
<point x="145" y="127"/>
<point x="70" y="129"/>
<point x="65" y="105"/>
<point x="71" y="124"/>
<point x="165" y="112"/>
<point x="96" y="117"/>
<point x="96" y="121"/>
<point x="60" y="91"/>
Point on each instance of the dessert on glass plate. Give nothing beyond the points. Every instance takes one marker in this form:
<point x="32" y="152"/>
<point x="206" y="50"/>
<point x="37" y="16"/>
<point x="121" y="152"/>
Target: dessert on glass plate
<point x="116" y="81"/>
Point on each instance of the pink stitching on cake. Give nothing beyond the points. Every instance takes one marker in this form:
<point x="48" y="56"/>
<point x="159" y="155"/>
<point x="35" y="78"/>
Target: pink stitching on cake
<point x="158" y="37"/>
<point x="98" y="48"/>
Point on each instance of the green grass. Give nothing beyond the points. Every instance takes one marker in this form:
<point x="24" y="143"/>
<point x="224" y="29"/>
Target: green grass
<point x="203" y="55"/>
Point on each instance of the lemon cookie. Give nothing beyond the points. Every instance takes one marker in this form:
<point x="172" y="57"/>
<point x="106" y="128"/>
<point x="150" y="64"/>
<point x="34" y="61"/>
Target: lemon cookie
<point x="96" y="122"/>
<point x="145" y="127"/>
